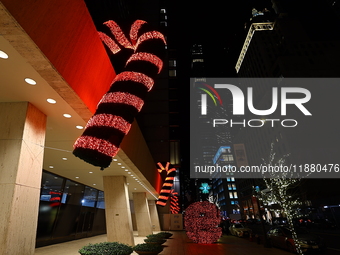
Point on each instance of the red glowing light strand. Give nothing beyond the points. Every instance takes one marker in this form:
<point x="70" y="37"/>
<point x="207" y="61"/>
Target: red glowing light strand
<point x="92" y="146"/>
<point x="174" y="208"/>
<point x="168" y="183"/>
<point x="122" y="98"/>
<point x="134" y="30"/>
<point x="103" y="146"/>
<point x="109" y="43"/>
<point x="109" y="120"/>
<point x="136" y="77"/>
<point x="148" y="57"/>
<point x="118" y="34"/>
<point x="201" y="220"/>
<point x="148" y="36"/>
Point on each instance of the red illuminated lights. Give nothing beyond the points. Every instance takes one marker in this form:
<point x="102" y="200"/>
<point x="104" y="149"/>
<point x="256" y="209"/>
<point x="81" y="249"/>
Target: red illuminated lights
<point x="134" y="30"/>
<point x="102" y="146"/>
<point x="144" y="56"/>
<point x="108" y="120"/>
<point x="168" y="183"/>
<point x="149" y="35"/>
<point x="123" y="98"/>
<point x="109" y="42"/>
<point x="174" y="206"/>
<point x="201" y="222"/>
<point x="136" y="77"/>
<point x="118" y="33"/>
<point x="91" y="146"/>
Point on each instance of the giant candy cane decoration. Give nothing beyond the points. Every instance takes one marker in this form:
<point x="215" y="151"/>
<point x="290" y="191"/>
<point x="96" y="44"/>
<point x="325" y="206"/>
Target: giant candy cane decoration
<point x="167" y="185"/>
<point x="117" y="109"/>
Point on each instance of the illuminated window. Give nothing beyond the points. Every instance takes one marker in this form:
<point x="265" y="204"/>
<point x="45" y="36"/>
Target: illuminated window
<point x="229" y="187"/>
<point x="235" y="194"/>
<point x="234" y="186"/>
<point x="232" y="179"/>
<point x="197" y="60"/>
<point x="163" y="11"/>
<point x="231" y="195"/>
<point x="172" y="73"/>
<point x="172" y="62"/>
<point x="232" y="202"/>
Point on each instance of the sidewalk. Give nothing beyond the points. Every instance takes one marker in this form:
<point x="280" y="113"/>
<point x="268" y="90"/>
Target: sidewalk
<point x="178" y="244"/>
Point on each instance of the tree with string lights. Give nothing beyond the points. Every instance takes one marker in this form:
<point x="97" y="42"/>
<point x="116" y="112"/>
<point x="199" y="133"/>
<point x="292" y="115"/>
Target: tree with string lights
<point x="281" y="190"/>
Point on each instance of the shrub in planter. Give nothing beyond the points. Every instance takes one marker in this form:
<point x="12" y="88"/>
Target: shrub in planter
<point x="154" y="236"/>
<point x="148" y="248"/>
<point x="106" y="248"/>
<point x="155" y="240"/>
<point x="164" y="234"/>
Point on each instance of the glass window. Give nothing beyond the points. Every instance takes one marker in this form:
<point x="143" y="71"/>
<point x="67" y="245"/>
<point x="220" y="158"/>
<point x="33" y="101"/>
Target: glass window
<point x="235" y="194"/>
<point x="172" y="73"/>
<point x="100" y="201"/>
<point x="172" y="62"/>
<point x="90" y="197"/>
<point x="51" y="187"/>
<point x="231" y="195"/>
<point x="73" y="193"/>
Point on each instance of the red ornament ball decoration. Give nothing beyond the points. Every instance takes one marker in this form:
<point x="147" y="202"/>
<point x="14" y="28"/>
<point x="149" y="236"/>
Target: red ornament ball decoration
<point x="201" y="222"/>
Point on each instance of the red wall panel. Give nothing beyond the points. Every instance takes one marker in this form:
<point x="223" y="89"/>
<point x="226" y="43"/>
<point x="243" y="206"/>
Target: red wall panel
<point x="65" y="33"/>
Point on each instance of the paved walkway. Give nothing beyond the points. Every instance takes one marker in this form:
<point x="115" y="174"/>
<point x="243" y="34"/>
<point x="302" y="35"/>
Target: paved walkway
<point x="178" y="244"/>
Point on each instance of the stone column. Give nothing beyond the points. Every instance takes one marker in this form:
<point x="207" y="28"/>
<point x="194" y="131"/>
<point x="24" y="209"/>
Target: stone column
<point x="154" y="215"/>
<point x="22" y="139"/>
<point x="142" y="213"/>
<point x="117" y="210"/>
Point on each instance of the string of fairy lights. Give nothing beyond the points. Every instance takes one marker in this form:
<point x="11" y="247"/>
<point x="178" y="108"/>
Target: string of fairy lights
<point x="279" y="193"/>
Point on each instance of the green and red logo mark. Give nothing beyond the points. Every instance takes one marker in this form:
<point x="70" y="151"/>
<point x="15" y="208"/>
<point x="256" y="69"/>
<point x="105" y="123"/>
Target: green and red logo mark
<point x="212" y="93"/>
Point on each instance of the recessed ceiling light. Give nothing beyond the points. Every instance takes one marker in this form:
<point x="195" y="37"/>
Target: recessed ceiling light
<point x="51" y="166"/>
<point x="122" y="166"/>
<point x="94" y="184"/>
<point x="79" y="127"/>
<point x="3" y="55"/>
<point x="119" y="163"/>
<point x="129" y="172"/>
<point x="127" y="183"/>
<point x="64" y="158"/>
<point x="51" y="101"/>
<point x="77" y="177"/>
<point x="66" y="115"/>
<point x="91" y="172"/>
<point x="30" y="81"/>
<point x="135" y="188"/>
<point x="115" y="159"/>
<point x="126" y="170"/>
<point x="131" y="175"/>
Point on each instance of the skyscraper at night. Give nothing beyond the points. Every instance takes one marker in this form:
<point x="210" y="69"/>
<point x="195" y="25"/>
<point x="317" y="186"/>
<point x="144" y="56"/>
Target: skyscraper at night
<point x="291" y="43"/>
